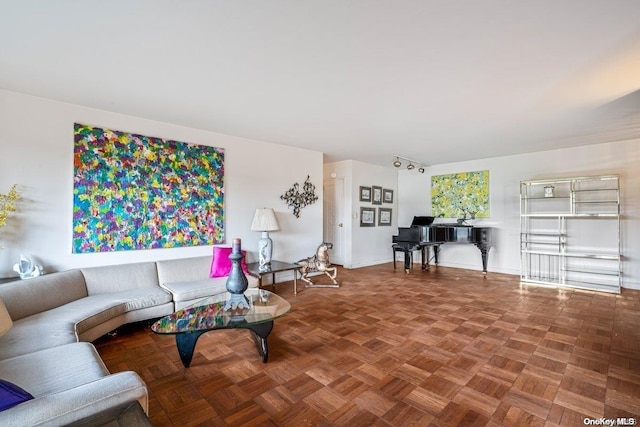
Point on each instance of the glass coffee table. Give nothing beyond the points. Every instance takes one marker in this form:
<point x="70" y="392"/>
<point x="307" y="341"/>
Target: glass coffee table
<point x="209" y="315"/>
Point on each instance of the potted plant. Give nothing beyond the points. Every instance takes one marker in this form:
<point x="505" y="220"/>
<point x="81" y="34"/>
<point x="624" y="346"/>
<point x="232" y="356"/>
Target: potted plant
<point x="8" y="205"/>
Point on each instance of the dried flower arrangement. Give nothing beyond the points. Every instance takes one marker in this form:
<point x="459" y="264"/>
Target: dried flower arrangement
<point x="8" y="205"/>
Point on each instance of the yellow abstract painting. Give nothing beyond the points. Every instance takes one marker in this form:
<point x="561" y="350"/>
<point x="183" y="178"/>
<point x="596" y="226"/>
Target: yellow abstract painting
<point x="460" y="195"/>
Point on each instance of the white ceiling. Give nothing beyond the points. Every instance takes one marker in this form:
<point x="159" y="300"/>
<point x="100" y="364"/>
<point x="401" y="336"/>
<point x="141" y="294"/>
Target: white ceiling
<point x="432" y="80"/>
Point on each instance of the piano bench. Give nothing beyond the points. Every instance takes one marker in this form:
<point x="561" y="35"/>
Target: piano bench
<point x="407" y="249"/>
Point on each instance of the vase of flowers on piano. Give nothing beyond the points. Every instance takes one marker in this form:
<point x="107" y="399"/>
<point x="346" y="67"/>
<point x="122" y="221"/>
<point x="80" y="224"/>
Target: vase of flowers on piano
<point x="470" y="211"/>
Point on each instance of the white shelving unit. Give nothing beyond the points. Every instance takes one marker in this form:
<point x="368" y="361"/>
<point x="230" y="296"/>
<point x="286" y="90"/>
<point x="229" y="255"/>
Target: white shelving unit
<point x="570" y="232"/>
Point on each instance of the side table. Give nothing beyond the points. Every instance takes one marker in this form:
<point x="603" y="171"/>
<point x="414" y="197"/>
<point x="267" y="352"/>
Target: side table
<point x="276" y="267"/>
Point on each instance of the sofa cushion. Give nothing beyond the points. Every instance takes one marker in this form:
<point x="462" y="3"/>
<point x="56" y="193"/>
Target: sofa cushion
<point x="221" y="264"/>
<point x="54" y="369"/>
<point x="11" y="395"/>
<point x="183" y="269"/>
<point x="186" y="291"/>
<point x="27" y="297"/>
<point x="36" y="333"/>
<point x="122" y="277"/>
<point x="94" y="310"/>
<point x="137" y="299"/>
<point x="87" y="312"/>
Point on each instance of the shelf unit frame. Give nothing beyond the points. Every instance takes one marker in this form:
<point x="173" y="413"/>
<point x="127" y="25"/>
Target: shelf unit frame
<point x="556" y="223"/>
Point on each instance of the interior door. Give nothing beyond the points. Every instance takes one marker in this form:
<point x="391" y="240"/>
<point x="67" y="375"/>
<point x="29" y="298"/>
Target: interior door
<point x="333" y="228"/>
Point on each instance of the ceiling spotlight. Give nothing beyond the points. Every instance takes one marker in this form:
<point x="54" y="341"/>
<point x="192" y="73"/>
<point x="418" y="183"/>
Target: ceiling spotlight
<point x="411" y="164"/>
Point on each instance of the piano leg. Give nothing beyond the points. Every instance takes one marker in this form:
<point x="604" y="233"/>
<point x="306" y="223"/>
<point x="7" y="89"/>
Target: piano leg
<point x="425" y="258"/>
<point x="407" y="249"/>
<point x="484" y="251"/>
<point x="408" y="258"/>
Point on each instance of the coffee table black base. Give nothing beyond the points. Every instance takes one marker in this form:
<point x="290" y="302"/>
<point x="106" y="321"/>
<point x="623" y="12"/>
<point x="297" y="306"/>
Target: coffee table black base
<point x="186" y="342"/>
<point x="260" y="333"/>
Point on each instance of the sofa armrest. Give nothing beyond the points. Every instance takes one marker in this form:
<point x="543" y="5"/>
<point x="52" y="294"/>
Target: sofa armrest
<point x="79" y="403"/>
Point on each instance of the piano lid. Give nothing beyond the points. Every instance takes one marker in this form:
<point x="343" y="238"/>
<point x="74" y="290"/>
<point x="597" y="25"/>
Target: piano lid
<point x="422" y="220"/>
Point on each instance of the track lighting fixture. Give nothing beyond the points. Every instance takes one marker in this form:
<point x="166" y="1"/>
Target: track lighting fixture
<point x="411" y="165"/>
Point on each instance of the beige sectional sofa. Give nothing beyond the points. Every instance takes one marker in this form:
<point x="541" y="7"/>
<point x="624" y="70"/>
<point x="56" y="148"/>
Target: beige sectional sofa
<point x="48" y="353"/>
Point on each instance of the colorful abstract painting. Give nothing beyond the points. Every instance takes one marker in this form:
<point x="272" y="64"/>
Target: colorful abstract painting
<point x="138" y="192"/>
<point x="460" y="195"/>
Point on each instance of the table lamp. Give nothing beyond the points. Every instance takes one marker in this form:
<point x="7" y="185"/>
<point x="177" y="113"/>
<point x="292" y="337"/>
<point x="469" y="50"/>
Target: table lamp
<point x="265" y="221"/>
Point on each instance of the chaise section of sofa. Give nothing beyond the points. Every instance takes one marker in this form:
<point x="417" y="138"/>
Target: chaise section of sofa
<point x="69" y="384"/>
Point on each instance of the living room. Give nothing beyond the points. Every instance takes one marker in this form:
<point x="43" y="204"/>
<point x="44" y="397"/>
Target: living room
<point x="42" y="228"/>
<point x="37" y="140"/>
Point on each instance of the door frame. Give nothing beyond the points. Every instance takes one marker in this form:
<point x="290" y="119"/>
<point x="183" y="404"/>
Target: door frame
<point x="338" y="181"/>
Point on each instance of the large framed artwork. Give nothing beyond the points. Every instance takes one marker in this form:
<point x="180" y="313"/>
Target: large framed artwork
<point x="460" y="195"/>
<point x="138" y="192"/>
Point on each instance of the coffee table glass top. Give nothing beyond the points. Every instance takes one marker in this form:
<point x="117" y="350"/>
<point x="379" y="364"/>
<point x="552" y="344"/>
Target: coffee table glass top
<point x="209" y="313"/>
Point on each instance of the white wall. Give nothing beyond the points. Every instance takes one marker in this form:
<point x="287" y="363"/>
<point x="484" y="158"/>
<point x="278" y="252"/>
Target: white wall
<point x="366" y="245"/>
<point x="36" y="140"/>
<point x="505" y="174"/>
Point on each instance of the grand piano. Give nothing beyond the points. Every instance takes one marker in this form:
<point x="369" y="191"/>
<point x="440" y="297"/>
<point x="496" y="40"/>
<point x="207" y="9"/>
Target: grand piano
<point x="423" y="234"/>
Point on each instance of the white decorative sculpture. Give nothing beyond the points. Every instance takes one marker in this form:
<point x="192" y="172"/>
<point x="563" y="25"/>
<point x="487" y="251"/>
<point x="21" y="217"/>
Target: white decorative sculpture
<point x="27" y="268"/>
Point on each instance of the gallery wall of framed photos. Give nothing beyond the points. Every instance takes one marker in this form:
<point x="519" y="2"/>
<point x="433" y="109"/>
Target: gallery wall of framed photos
<point x="377" y="197"/>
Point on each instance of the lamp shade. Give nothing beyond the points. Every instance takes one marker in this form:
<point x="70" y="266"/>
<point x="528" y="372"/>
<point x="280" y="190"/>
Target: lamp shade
<point x="264" y="220"/>
<point x="5" y="319"/>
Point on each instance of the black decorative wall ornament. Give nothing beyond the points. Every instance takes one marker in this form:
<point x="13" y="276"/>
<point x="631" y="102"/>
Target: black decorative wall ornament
<point x="293" y="196"/>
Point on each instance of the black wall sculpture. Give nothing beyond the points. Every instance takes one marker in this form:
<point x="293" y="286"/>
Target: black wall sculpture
<point x="298" y="200"/>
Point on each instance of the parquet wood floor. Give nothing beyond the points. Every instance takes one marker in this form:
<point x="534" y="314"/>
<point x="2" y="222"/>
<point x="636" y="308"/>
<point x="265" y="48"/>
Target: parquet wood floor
<point x="445" y="347"/>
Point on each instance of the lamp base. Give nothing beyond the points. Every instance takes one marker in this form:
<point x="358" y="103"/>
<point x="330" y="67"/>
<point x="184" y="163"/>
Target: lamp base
<point x="265" y="249"/>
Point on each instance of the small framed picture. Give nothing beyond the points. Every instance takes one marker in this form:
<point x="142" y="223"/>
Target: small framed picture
<point x="384" y="216"/>
<point x="387" y="195"/>
<point x="376" y="195"/>
<point x="365" y="194"/>
<point x="367" y="217"/>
